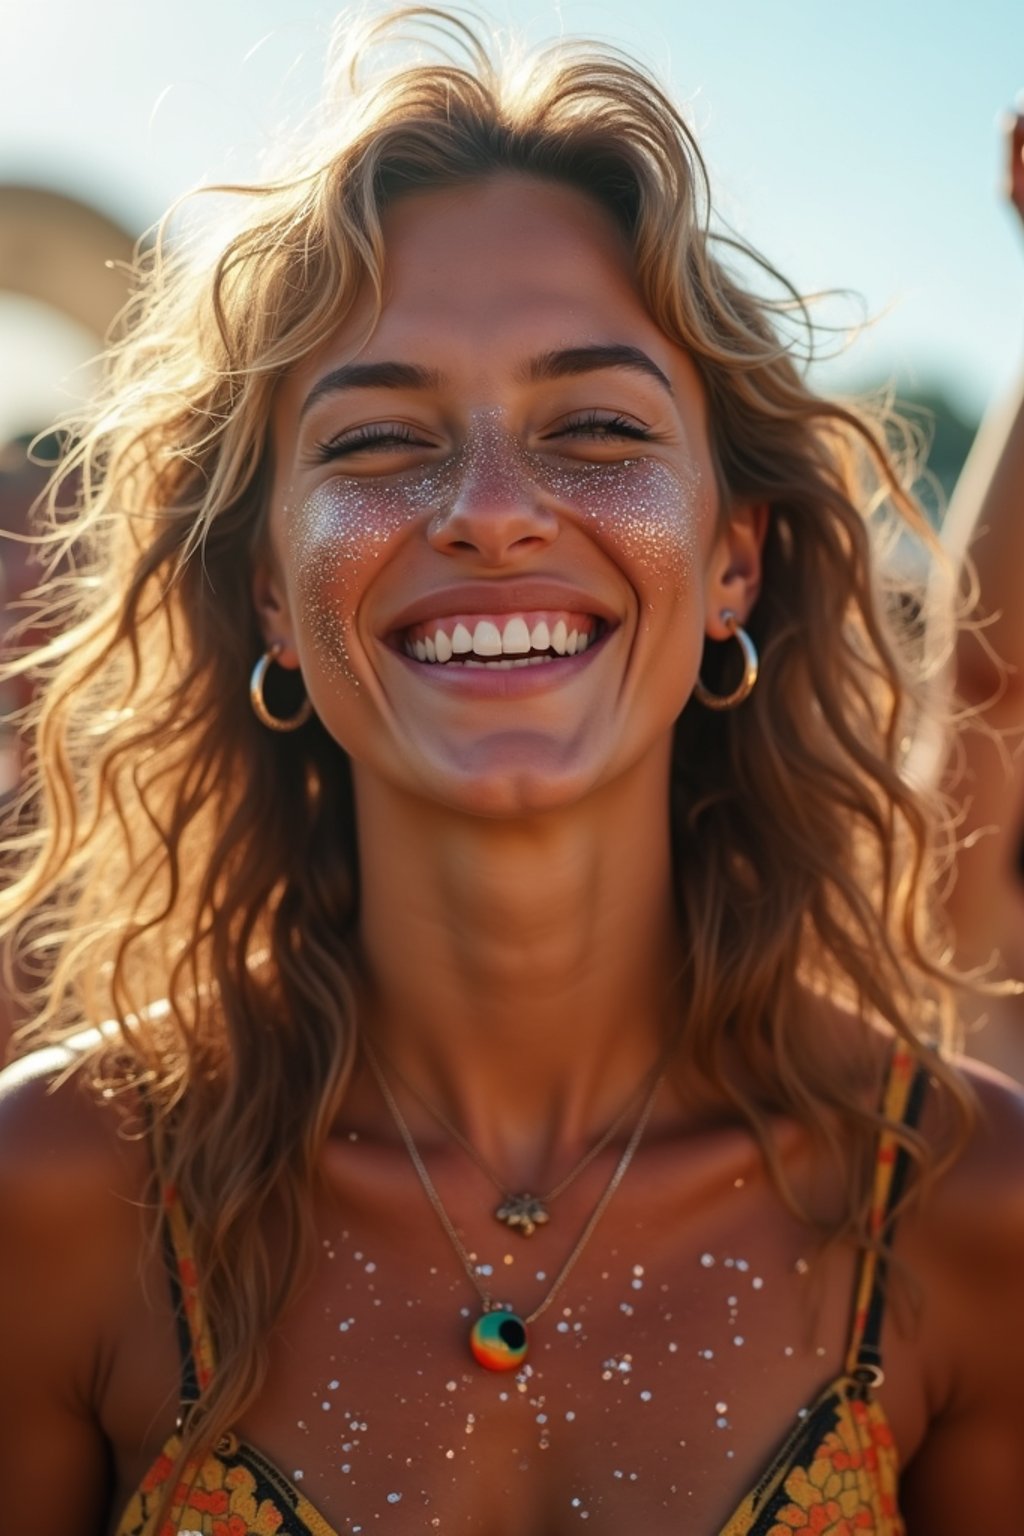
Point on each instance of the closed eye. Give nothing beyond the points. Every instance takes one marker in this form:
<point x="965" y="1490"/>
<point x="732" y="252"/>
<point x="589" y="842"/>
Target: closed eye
<point x="592" y="424"/>
<point x="375" y="436"/>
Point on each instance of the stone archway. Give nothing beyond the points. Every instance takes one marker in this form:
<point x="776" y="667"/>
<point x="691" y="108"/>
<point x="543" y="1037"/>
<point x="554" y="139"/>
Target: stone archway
<point x="58" y="251"/>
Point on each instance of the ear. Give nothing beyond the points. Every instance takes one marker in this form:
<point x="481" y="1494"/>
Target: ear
<point x="732" y="578"/>
<point x="273" y="613"/>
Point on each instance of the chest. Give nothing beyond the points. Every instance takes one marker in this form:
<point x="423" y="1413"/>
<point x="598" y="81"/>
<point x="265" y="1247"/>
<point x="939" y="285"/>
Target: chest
<point x="659" y="1380"/>
<point x="662" y="1373"/>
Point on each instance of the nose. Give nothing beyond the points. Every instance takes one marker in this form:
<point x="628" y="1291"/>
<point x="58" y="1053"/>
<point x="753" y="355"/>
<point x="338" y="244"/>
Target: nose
<point x="495" y="509"/>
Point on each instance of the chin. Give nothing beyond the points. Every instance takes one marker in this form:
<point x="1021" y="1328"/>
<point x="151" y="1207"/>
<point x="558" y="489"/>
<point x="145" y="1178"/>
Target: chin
<point x="524" y="782"/>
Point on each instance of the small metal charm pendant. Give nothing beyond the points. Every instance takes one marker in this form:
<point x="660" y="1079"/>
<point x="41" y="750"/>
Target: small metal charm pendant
<point x="498" y="1340"/>
<point x="523" y="1213"/>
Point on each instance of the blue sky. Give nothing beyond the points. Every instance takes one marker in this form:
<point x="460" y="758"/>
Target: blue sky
<point x="855" y="145"/>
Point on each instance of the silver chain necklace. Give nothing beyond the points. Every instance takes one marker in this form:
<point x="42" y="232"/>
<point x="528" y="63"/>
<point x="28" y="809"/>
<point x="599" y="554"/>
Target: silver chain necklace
<point x="498" y="1338"/>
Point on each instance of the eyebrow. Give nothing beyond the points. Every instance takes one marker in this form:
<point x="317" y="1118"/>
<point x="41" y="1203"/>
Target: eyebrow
<point x="559" y="364"/>
<point x="371" y="376"/>
<point x="572" y="360"/>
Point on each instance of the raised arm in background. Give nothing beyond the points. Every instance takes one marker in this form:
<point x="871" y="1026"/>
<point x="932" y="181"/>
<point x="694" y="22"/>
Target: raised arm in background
<point x="986" y="516"/>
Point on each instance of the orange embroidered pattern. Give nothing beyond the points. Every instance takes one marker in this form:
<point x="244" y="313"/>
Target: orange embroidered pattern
<point x="233" y="1493"/>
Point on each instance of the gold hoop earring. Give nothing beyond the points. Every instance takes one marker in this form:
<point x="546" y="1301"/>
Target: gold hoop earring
<point x="259" y="703"/>
<point x="750" y="667"/>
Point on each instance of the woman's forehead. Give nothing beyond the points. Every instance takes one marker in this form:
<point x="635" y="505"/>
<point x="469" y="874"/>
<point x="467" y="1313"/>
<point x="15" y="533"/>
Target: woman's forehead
<point x="492" y="274"/>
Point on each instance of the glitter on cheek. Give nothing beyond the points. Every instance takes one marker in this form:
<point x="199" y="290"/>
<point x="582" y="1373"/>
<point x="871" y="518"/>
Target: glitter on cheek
<point x="338" y="538"/>
<point x="645" y="511"/>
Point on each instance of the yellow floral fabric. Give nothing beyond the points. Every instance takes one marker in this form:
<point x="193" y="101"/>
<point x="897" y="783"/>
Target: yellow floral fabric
<point x="235" y="1492"/>
<point x="837" y="1475"/>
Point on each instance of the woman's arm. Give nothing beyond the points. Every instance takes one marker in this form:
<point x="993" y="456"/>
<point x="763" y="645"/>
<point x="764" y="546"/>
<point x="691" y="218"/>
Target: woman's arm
<point x="986" y="516"/>
<point x="965" y="1251"/>
<point x="55" y="1473"/>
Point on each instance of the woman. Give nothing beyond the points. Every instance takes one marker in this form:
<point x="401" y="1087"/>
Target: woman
<point x="542" y="935"/>
<point x="986" y="903"/>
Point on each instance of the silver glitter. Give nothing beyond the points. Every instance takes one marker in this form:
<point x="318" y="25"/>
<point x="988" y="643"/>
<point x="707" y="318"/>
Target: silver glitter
<point x="639" y="509"/>
<point x="394" y="1498"/>
<point x="707" y="1259"/>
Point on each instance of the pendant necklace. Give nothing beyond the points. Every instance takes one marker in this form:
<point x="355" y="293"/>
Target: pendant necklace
<point x="525" y="1212"/>
<point x="498" y="1338"/>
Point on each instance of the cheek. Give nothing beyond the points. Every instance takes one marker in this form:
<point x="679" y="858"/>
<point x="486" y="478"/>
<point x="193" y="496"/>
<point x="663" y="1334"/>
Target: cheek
<point x="648" y="517"/>
<point x="337" y="539"/>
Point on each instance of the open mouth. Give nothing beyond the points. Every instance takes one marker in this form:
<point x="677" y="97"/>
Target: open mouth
<point x="501" y="641"/>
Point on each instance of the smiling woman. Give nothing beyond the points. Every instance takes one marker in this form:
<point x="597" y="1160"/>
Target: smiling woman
<point x="473" y="762"/>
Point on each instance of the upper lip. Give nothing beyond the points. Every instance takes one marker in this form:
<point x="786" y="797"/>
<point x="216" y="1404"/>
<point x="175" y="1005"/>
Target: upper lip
<point x="487" y="597"/>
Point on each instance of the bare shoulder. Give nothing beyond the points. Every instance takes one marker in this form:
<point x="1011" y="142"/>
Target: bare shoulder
<point x="72" y="1183"/>
<point x="983" y="1190"/>
<point x="968" y="1225"/>
<point x="56" y="1139"/>
<point x="966" y="1247"/>
<point x="72" y="1197"/>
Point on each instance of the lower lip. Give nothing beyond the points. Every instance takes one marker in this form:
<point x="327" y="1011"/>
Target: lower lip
<point x="499" y="682"/>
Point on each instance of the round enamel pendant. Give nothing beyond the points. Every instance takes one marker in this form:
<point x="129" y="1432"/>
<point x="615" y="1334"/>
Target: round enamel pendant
<point x="498" y="1341"/>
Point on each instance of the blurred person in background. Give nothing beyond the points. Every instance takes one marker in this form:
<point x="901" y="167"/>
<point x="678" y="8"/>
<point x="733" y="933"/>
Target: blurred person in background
<point x="497" y="1041"/>
<point x="26" y="465"/>
<point x="986" y="900"/>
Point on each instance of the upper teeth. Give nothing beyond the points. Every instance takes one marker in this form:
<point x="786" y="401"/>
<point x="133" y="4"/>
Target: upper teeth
<point x="518" y="637"/>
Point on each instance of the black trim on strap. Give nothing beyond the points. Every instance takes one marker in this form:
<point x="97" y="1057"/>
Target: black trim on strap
<point x="189" y="1375"/>
<point x="869" y="1353"/>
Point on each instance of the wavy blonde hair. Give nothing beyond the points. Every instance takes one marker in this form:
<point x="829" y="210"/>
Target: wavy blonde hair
<point x="173" y="849"/>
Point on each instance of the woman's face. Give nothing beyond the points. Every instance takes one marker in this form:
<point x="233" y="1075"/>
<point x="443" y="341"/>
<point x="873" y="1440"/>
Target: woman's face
<point x="493" y="544"/>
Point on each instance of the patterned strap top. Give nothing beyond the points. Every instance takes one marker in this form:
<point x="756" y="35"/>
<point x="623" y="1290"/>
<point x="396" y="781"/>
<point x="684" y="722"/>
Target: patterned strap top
<point x="835" y="1473"/>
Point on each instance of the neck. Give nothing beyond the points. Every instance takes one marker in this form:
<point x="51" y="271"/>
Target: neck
<point x="519" y="975"/>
